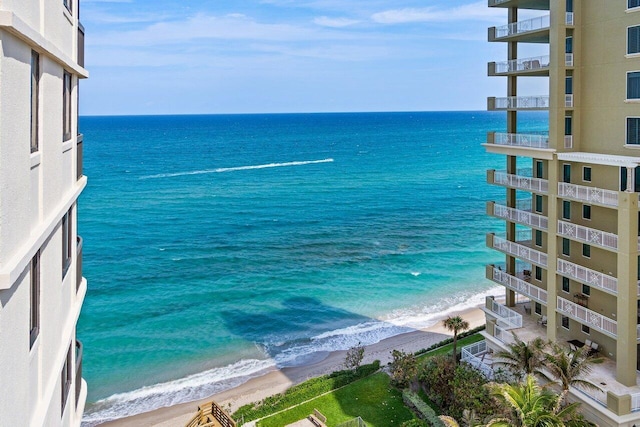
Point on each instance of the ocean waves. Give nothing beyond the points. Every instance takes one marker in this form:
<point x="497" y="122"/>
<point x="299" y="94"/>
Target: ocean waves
<point x="238" y="168"/>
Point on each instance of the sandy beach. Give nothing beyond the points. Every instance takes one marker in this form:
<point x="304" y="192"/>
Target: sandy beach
<point x="278" y="381"/>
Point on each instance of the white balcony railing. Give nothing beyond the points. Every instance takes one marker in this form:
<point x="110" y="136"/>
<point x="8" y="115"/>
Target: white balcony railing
<point x="569" y="18"/>
<point x="635" y="402"/>
<point x="521" y="217"/>
<point x="588" y="194"/>
<point x="568" y="100"/>
<point x="518" y="285"/>
<point x="520" y="251"/>
<point x="522" y="140"/>
<point x="496" y="2"/>
<point x="507" y="318"/>
<point x="503" y="335"/>
<point x="521" y="182"/>
<point x="588" y="317"/>
<point x="588" y="235"/>
<point x="522" y="102"/>
<point x="533" y="24"/>
<point x="523" y="64"/>
<point x="568" y="141"/>
<point x="588" y="276"/>
<point x="474" y="355"/>
<point x="568" y="59"/>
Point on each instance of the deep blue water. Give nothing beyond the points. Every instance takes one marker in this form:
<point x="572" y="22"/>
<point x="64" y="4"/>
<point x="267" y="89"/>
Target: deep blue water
<point x="219" y="246"/>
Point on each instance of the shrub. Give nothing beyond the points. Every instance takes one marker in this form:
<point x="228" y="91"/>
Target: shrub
<point x="414" y="423"/>
<point x="420" y="407"/>
<point x="404" y="368"/>
<point x="450" y="340"/>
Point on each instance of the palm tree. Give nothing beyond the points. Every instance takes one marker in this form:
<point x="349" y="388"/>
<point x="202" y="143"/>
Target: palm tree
<point x="455" y="325"/>
<point x="569" y="369"/>
<point x="523" y="358"/>
<point x="531" y="406"/>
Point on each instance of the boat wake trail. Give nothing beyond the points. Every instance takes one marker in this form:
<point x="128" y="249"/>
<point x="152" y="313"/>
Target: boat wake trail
<point x="238" y="168"/>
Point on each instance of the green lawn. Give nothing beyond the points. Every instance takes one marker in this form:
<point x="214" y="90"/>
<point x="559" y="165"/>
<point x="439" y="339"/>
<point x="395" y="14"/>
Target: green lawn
<point x="447" y="348"/>
<point x="372" y="398"/>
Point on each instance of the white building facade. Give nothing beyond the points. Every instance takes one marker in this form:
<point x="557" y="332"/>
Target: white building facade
<point x="41" y="283"/>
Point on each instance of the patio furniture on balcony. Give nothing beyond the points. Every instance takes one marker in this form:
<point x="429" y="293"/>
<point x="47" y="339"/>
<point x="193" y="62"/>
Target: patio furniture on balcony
<point x="542" y="321"/>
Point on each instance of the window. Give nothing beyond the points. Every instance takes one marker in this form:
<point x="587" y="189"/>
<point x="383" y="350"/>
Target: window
<point x="633" y="85"/>
<point x="586" y="174"/>
<point x="566" y="247"/>
<point x="586" y="251"/>
<point x="66" y="242"/>
<point x="538" y="273"/>
<point x="633" y="3"/>
<point x="65" y="379"/>
<point x="566" y="209"/>
<point x="34" y="319"/>
<point x="565" y="322"/>
<point x="633" y="40"/>
<point x="567" y="125"/>
<point x="68" y="4"/>
<point x="66" y="106"/>
<point x="566" y="173"/>
<point x="568" y="85"/>
<point x="538" y="203"/>
<point x="538" y="234"/>
<point x="586" y="212"/>
<point x="35" y="92"/>
<point x="538" y="308"/>
<point x="568" y="45"/>
<point x="586" y="290"/>
<point x="569" y="5"/>
<point x="633" y="130"/>
<point x="586" y="329"/>
<point x="566" y="285"/>
<point x="539" y="169"/>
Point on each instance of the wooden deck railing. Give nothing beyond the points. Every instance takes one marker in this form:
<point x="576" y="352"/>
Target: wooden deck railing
<point x="211" y="415"/>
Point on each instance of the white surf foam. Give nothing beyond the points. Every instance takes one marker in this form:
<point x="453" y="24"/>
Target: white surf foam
<point x="193" y="387"/>
<point x="238" y="168"/>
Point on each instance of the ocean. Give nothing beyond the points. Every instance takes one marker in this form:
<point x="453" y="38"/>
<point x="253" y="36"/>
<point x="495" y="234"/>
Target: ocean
<point x="219" y="247"/>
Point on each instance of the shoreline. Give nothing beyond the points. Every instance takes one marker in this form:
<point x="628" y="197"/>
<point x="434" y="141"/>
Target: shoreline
<point x="279" y="380"/>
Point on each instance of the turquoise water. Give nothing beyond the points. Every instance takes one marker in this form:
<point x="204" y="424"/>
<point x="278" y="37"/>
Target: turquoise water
<point x="218" y="247"/>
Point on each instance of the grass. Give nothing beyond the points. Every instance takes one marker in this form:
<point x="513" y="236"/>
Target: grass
<point x="449" y="347"/>
<point x="372" y="398"/>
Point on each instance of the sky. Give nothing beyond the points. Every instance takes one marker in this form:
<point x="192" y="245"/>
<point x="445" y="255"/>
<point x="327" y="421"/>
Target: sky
<point x="277" y="56"/>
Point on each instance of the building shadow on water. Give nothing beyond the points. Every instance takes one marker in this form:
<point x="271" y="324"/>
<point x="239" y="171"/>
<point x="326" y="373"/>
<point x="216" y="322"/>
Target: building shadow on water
<point x="306" y="338"/>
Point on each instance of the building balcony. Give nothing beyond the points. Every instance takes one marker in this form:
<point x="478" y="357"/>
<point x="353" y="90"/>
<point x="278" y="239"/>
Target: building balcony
<point x="590" y="195"/>
<point x="568" y="59"/>
<point x="590" y="236"/>
<point x="520" y="182"/>
<point x="568" y="100"/>
<point x="521" y="4"/>
<point x="513" y="103"/>
<point x="535" y="144"/>
<point x="536" y="66"/>
<point x="517" y="283"/>
<point x="517" y="250"/>
<point x="587" y="317"/>
<point x="79" y="155"/>
<point x="519" y="216"/>
<point x="78" y="377"/>
<point x="589" y="277"/>
<point x="534" y="30"/>
<point x="505" y="317"/>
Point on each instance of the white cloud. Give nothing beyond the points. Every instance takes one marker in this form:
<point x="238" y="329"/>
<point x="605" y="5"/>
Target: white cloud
<point x="325" y="21"/>
<point x="474" y="11"/>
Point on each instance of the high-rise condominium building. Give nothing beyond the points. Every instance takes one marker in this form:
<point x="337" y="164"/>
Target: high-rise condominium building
<point x="570" y="207"/>
<point x="41" y="284"/>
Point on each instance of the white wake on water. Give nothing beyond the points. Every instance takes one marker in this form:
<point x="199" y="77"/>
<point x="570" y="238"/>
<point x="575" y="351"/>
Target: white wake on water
<point x="238" y="168"/>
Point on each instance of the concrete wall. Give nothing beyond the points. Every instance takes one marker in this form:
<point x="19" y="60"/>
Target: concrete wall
<point x="36" y="191"/>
